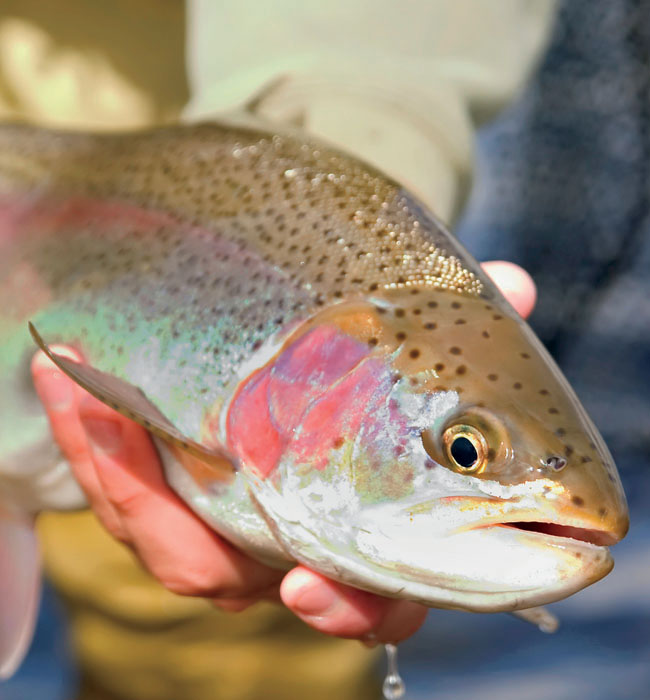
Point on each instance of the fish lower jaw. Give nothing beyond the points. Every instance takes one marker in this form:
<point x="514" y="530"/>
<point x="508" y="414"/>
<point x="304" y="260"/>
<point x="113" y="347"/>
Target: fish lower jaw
<point x="488" y="569"/>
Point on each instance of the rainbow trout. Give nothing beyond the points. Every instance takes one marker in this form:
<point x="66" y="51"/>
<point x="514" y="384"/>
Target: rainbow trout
<point x="330" y="377"/>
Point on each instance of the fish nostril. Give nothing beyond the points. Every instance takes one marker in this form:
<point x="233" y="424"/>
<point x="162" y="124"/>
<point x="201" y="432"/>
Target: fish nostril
<point x="556" y="463"/>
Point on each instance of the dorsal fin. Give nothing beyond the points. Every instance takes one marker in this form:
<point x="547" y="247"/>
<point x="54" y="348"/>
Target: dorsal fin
<point x="131" y="401"/>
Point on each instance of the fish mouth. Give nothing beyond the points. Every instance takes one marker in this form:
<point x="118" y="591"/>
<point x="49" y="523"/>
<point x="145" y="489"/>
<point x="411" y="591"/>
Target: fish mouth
<point x="568" y="526"/>
<point x="596" y="537"/>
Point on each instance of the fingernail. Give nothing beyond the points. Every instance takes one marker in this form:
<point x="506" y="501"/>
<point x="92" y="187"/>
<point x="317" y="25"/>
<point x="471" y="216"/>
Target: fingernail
<point x="55" y="389"/>
<point x="105" y="435"/>
<point x="315" y="600"/>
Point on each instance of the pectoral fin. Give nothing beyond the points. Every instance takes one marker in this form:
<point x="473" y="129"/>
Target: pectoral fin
<point x="130" y="401"/>
<point x="20" y="585"/>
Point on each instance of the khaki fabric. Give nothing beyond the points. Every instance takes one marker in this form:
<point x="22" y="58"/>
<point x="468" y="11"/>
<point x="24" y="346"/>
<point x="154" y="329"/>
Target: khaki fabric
<point x="136" y="640"/>
<point x="93" y="64"/>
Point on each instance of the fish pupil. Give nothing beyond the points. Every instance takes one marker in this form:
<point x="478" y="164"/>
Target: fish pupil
<point x="464" y="452"/>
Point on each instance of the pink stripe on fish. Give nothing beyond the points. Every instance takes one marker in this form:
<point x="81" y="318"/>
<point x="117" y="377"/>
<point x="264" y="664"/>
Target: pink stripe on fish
<point x="269" y="406"/>
<point x="58" y="216"/>
<point x="307" y="369"/>
<point x="338" y="416"/>
<point x="251" y="433"/>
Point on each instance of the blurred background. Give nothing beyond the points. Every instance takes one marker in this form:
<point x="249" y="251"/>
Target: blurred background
<point x="561" y="186"/>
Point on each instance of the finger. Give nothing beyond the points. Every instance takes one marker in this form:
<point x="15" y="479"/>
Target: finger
<point x="60" y="397"/>
<point x="336" y="609"/>
<point x="235" y="605"/>
<point x="178" y="549"/>
<point x="514" y="283"/>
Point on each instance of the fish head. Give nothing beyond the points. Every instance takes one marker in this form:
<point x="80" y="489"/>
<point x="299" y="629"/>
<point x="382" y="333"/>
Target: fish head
<point x="446" y="460"/>
<point x="517" y="420"/>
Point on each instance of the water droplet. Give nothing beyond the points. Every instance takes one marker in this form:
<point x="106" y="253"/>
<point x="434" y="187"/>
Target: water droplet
<point x="393" y="687"/>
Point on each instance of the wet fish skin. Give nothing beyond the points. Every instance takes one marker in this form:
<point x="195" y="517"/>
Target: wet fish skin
<point x="289" y="309"/>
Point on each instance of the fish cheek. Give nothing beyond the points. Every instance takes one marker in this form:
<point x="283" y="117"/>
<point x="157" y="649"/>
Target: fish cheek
<point x="383" y="468"/>
<point x="311" y="398"/>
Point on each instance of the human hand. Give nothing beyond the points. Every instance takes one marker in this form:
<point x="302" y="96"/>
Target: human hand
<point x="115" y="462"/>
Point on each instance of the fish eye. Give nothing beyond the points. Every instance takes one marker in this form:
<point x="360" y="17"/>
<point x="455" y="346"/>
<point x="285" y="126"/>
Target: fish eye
<point x="466" y="448"/>
<point x="463" y="452"/>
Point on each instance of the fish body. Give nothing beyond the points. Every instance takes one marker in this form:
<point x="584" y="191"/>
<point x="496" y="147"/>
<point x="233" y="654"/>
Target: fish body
<point x="331" y="378"/>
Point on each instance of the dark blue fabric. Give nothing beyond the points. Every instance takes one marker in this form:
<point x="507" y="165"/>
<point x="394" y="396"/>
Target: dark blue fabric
<point x="563" y="189"/>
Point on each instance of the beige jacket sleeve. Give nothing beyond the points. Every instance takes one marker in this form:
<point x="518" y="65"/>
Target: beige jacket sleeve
<point x="100" y="64"/>
<point x="403" y="85"/>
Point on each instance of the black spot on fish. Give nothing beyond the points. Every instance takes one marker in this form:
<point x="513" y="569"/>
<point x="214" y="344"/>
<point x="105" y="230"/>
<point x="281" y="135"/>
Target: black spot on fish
<point x="578" y="501"/>
<point x="414" y="354"/>
<point x="455" y="350"/>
